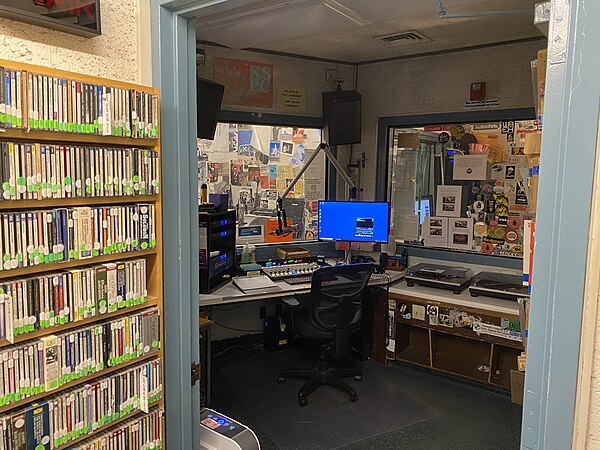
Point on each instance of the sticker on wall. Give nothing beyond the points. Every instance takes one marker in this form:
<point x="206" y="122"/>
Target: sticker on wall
<point x="507" y="126"/>
<point x="514" y="223"/>
<point x="446" y="321"/>
<point x="432" y="313"/>
<point x="480" y="229"/>
<point x="287" y="148"/>
<point x="495" y="330"/>
<point x="521" y="196"/>
<point x="418" y="312"/>
<point x="488" y="248"/>
<point x="274" y="149"/>
<point x="510" y="172"/>
<point x="478" y="206"/>
<point x="512" y="237"/>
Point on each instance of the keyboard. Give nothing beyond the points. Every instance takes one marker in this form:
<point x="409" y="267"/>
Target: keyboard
<point x="298" y="280"/>
<point x="308" y="279"/>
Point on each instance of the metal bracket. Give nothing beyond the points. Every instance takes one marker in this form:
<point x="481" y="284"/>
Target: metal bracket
<point x="559" y="31"/>
<point x="195" y="373"/>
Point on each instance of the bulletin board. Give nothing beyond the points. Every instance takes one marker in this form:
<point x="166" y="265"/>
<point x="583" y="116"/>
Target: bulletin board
<point x="479" y="186"/>
<point x="254" y="164"/>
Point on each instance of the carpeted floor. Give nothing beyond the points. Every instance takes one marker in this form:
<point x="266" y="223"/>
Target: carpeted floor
<point x="399" y="406"/>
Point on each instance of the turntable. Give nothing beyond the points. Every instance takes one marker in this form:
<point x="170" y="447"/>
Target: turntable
<point x="455" y="279"/>
<point x="499" y="285"/>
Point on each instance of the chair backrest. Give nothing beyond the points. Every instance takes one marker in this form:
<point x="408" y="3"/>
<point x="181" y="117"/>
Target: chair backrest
<point x="337" y="294"/>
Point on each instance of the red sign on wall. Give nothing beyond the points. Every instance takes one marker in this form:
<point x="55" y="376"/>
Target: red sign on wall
<point x="246" y="83"/>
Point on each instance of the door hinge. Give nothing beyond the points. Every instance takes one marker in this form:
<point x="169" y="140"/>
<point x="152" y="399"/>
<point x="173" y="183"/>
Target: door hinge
<point x="195" y="373"/>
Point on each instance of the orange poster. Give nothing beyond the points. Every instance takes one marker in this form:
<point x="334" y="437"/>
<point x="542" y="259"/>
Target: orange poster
<point x="246" y="83"/>
<point x="271" y="226"/>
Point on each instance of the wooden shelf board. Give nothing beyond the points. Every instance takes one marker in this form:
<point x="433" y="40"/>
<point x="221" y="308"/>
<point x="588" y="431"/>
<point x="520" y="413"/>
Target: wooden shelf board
<point x="68" y="138"/>
<point x="6" y="205"/>
<point x="75" y="76"/>
<point x="114" y="424"/>
<point x="152" y="302"/>
<point x="82" y="380"/>
<point x="31" y="270"/>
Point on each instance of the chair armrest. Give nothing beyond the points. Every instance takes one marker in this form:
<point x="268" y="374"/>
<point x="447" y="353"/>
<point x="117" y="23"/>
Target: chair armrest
<point x="291" y="302"/>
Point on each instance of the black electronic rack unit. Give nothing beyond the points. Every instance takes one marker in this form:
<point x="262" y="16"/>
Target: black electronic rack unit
<point x="216" y="249"/>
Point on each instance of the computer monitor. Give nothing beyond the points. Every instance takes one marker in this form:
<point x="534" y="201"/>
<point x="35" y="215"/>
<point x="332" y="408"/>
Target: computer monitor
<point x="423" y="208"/>
<point x="354" y="221"/>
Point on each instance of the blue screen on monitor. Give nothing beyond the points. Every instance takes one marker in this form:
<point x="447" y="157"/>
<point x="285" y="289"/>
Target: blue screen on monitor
<point x="354" y="221"/>
<point x="423" y="208"/>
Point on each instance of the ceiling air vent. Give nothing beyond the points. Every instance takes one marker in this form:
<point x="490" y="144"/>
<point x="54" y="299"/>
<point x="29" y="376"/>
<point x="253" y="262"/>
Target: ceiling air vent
<point x="403" y="39"/>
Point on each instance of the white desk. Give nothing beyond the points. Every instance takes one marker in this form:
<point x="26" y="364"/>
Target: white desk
<point x="231" y="294"/>
<point x="497" y="305"/>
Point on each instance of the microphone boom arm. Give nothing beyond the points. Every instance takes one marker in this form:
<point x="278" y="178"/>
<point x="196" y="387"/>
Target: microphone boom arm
<point x="336" y="164"/>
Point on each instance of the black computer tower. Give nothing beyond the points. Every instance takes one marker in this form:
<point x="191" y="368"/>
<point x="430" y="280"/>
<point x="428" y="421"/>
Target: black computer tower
<point x="217" y="238"/>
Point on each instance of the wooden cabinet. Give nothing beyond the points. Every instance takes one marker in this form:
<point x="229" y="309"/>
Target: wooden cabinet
<point x="465" y="339"/>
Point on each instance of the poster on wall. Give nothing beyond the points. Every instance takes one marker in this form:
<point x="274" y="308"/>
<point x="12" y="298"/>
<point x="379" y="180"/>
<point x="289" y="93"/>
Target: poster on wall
<point x="246" y="83"/>
<point x="449" y="200"/>
<point x="274" y="150"/>
<point x="460" y="233"/>
<point x="436" y="232"/>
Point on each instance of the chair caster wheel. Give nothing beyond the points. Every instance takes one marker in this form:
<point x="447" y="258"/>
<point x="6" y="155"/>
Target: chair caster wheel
<point x="353" y="397"/>
<point x="281" y="379"/>
<point x="358" y="377"/>
<point x="302" y="401"/>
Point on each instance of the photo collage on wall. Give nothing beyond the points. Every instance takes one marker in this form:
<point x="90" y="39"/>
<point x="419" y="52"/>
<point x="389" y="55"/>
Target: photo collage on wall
<point x="485" y="195"/>
<point x="255" y="164"/>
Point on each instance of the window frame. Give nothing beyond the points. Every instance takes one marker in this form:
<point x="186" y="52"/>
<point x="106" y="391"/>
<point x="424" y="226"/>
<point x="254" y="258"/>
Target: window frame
<point x="281" y="120"/>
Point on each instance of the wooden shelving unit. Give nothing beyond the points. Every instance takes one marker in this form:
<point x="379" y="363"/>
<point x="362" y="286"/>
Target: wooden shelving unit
<point x="153" y="256"/>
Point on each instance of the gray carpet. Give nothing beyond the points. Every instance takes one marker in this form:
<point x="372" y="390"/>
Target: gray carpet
<point x="399" y="406"/>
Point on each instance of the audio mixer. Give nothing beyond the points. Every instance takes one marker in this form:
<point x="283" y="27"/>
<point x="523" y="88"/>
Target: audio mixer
<point x="284" y="269"/>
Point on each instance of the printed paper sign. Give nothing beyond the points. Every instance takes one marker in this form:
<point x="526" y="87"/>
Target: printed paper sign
<point x="291" y="99"/>
<point x="495" y="330"/>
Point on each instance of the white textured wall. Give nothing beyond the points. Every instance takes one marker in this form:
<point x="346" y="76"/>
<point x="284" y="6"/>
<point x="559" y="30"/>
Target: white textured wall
<point x="439" y="83"/>
<point x="114" y="54"/>
<point x="288" y="72"/>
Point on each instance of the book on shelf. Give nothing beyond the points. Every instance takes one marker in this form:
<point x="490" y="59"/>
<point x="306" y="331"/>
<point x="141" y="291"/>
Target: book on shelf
<point x="34" y="171"/>
<point x="81" y="411"/>
<point x="45" y="364"/>
<point x="34" y="237"/>
<point x="57" y="298"/>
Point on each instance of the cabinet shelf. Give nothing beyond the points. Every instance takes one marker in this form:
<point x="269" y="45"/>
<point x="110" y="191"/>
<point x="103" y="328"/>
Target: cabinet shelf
<point x="9" y="205"/>
<point x="7" y="134"/>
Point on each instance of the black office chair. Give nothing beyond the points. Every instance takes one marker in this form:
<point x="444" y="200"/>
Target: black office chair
<point x="331" y="313"/>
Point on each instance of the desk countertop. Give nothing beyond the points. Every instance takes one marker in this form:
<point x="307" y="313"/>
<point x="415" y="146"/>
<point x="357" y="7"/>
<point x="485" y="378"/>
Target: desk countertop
<point x="464" y="299"/>
<point x="231" y="294"/>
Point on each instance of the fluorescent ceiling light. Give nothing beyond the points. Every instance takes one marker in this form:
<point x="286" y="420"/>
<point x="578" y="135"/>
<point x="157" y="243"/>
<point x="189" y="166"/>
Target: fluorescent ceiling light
<point x="245" y="16"/>
<point x="513" y="12"/>
<point x="346" y="12"/>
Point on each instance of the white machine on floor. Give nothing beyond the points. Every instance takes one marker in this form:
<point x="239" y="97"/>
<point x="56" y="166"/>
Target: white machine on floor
<point x="219" y="432"/>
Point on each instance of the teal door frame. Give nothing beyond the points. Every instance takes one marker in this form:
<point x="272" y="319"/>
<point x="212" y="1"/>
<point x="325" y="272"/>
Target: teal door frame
<point x="570" y="130"/>
<point x="568" y="147"/>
